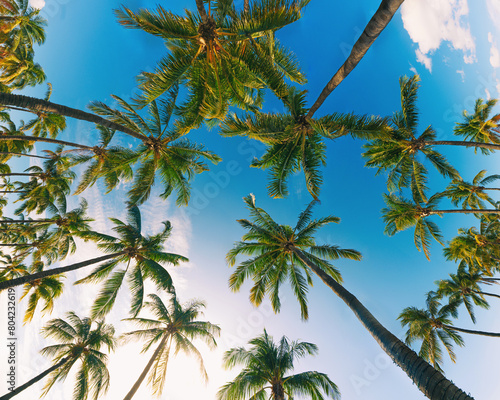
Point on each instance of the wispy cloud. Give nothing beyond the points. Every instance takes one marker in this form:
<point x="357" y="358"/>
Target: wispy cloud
<point x="431" y="22"/>
<point x="494" y="53"/>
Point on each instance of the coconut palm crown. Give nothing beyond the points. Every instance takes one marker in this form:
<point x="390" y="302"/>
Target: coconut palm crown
<point x="272" y="248"/>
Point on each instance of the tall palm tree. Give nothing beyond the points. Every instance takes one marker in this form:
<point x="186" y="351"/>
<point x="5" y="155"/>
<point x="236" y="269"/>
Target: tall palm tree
<point x="471" y="195"/>
<point x="143" y="257"/>
<point x="175" y="327"/>
<point x="80" y="341"/>
<point x="478" y="126"/>
<point x="279" y="251"/>
<point x="463" y="288"/>
<point x="266" y="368"/>
<point x="23" y="24"/>
<point x="401" y="214"/>
<point x="480" y="250"/>
<point x="375" y="26"/>
<point x="41" y="290"/>
<point x="46" y="124"/>
<point x="397" y="150"/>
<point x="162" y="152"/>
<point x="223" y="57"/>
<point x="295" y="143"/>
<point x="433" y="327"/>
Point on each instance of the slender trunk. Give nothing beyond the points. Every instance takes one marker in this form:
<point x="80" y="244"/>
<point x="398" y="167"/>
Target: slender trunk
<point x="278" y="392"/>
<point x="489" y="146"/>
<point x="12" y="191"/>
<point x="15" y="244"/>
<point x="489" y="294"/>
<point x="372" y="30"/>
<point x="55" y="271"/>
<point x="23" y="154"/>
<point x="25" y="221"/>
<point x="35" y="379"/>
<point x="490" y="188"/>
<point x="464" y="211"/>
<point x="246" y="6"/>
<point x="33" y="104"/>
<point x="202" y="11"/>
<point x="454" y="328"/>
<point x="134" y="389"/>
<point x="42" y="139"/>
<point x="490" y="279"/>
<point x="19" y="174"/>
<point x="430" y="381"/>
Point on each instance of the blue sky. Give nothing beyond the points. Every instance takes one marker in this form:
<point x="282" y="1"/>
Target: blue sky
<point x="452" y="44"/>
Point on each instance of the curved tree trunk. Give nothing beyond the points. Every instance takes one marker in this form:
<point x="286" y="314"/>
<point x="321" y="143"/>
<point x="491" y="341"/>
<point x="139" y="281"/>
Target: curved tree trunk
<point x="431" y="382"/>
<point x="375" y="26"/>
<point x="55" y="271"/>
<point x="12" y="191"/>
<point x="23" y="154"/>
<point x="482" y="333"/>
<point x="35" y="379"/>
<point x="489" y="294"/>
<point x="465" y="211"/>
<point x="202" y="11"/>
<point x="27" y="221"/>
<point x="489" y="146"/>
<point x="42" y="139"/>
<point x="19" y="174"/>
<point x="33" y="104"/>
<point x="138" y="383"/>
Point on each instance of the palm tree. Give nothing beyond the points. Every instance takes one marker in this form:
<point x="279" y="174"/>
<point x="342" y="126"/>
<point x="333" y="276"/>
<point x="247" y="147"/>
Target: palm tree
<point x="480" y="250"/>
<point x="175" y="327"/>
<point x="472" y="194"/>
<point x="45" y="289"/>
<point x="375" y="26"/>
<point x="478" y="127"/>
<point x="266" y="368"/>
<point x="433" y="326"/>
<point x="144" y="259"/>
<point x="161" y="153"/>
<point x="23" y="24"/>
<point x="223" y="57"/>
<point x="397" y="150"/>
<point x="46" y="124"/>
<point x="279" y="251"/>
<point x="401" y="214"/>
<point x="18" y="69"/>
<point x="78" y="342"/>
<point x="295" y="143"/>
<point x="463" y="287"/>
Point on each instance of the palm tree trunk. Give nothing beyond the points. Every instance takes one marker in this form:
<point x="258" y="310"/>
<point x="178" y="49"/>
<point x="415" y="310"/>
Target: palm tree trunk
<point x="23" y="154"/>
<point x="489" y="146"/>
<point x="35" y="379"/>
<point x="430" y="381"/>
<point x="33" y="104"/>
<point x="465" y="211"/>
<point x="55" y="271"/>
<point x="23" y="221"/>
<point x="42" y="139"/>
<point x="482" y="333"/>
<point x="489" y="294"/>
<point x="134" y="389"/>
<point x="246" y="6"/>
<point x="202" y="11"/>
<point x="19" y="174"/>
<point x="12" y="191"/>
<point x="372" y="30"/>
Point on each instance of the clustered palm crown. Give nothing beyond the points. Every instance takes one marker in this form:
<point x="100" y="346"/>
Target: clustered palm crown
<point x="223" y="57"/>
<point x="274" y="249"/>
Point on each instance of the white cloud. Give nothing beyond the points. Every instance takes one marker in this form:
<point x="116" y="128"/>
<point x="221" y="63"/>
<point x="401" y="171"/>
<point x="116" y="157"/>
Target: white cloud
<point x="494" y="11"/>
<point x="37" y="4"/>
<point x="498" y="88"/>
<point x="494" y="53"/>
<point x="431" y="22"/>
<point x="488" y="94"/>
<point x="423" y="59"/>
<point x="462" y="74"/>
